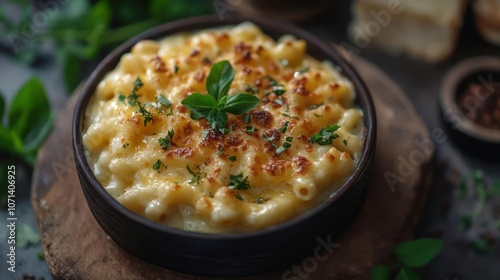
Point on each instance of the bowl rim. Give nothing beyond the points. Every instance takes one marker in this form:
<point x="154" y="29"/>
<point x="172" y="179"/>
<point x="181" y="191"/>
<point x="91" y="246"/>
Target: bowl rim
<point x="449" y="92"/>
<point x="208" y="22"/>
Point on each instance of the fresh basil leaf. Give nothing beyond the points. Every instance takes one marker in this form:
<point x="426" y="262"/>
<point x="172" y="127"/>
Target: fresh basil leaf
<point x="71" y="65"/>
<point x="380" y="272"/>
<point x="240" y="103"/>
<point x="417" y="253"/>
<point x="219" y="79"/>
<point x="2" y="108"/>
<point x="222" y="102"/>
<point x="407" y="274"/>
<point x="98" y="21"/>
<point x="10" y="141"/>
<point x="217" y="119"/>
<point x="26" y="236"/>
<point x="30" y="110"/>
<point x="200" y="105"/>
<point x="36" y="137"/>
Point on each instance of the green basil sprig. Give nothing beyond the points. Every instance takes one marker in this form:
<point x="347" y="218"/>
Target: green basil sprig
<point x="410" y="254"/>
<point x="215" y="105"/>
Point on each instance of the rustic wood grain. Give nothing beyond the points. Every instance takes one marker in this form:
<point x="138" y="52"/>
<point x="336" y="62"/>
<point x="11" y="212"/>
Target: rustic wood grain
<point x="75" y="246"/>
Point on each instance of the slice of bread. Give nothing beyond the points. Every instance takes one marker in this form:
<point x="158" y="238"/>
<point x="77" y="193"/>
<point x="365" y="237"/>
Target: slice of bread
<point x="425" y="29"/>
<point x="487" y="17"/>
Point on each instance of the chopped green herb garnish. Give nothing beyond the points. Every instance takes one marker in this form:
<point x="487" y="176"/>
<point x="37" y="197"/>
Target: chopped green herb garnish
<point x="284" y="127"/>
<point x="285" y="145"/>
<point x="269" y="139"/>
<point x="301" y="71"/>
<point x="196" y="176"/>
<point x="261" y="200"/>
<point x="325" y="136"/>
<point x="283" y="148"/>
<point x="215" y="105"/>
<point x="163" y="102"/>
<point x="246" y="118"/>
<point x="237" y="182"/>
<point x="133" y="100"/>
<point x="40" y="256"/>
<point x="312" y="107"/>
<point x="238" y="196"/>
<point x="232" y="158"/>
<point x="249" y="129"/>
<point x="204" y="134"/>
<point x="121" y="98"/>
<point x="288" y="116"/>
<point x="278" y="89"/>
<point x="176" y="69"/>
<point x="345" y="142"/>
<point x="284" y="62"/>
<point x="251" y="90"/>
<point x="125" y="145"/>
<point x="158" y="164"/>
<point x="171" y="113"/>
<point x="280" y="101"/>
<point x="166" y="142"/>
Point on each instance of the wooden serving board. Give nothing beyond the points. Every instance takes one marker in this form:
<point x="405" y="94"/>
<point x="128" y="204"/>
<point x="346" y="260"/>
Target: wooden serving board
<point x="76" y="247"/>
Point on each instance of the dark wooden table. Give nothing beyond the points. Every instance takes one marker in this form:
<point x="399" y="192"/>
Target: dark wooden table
<point x="420" y="81"/>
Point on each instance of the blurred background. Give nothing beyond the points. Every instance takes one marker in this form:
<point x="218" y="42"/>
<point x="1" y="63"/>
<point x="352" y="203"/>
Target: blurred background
<point x="47" y="47"/>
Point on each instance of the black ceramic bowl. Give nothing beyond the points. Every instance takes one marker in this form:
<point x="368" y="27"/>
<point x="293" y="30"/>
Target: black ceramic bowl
<point x="226" y="255"/>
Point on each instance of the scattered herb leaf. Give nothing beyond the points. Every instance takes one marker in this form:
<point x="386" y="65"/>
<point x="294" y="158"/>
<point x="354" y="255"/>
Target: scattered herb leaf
<point x="261" y="200"/>
<point x="249" y="129"/>
<point x="301" y="71"/>
<point x="166" y="142"/>
<point x="125" y="145"/>
<point x="406" y="273"/>
<point x="196" y="176"/>
<point x="232" y="158"/>
<point x="380" y="272"/>
<point x="284" y="127"/>
<point x="237" y="182"/>
<point x="417" y="253"/>
<point x="325" y="136"/>
<point x="288" y="116"/>
<point x="345" y="142"/>
<point x="158" y="164"/>
<point x="238" y="196"/>
<point x="316" y="106"/>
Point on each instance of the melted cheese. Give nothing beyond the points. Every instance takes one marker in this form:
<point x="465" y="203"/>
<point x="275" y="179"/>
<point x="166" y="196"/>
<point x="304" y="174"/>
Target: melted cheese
<point x="122" y="151"/>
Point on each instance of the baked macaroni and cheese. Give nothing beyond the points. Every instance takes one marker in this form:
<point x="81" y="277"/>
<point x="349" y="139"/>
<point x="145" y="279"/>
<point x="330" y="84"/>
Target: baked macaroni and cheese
<point x="223" y="130"/>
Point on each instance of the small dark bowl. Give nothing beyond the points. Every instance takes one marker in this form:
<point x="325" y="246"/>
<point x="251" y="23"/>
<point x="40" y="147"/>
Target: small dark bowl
<point x="227" y="255"/>
<point x="478" y="140"/>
